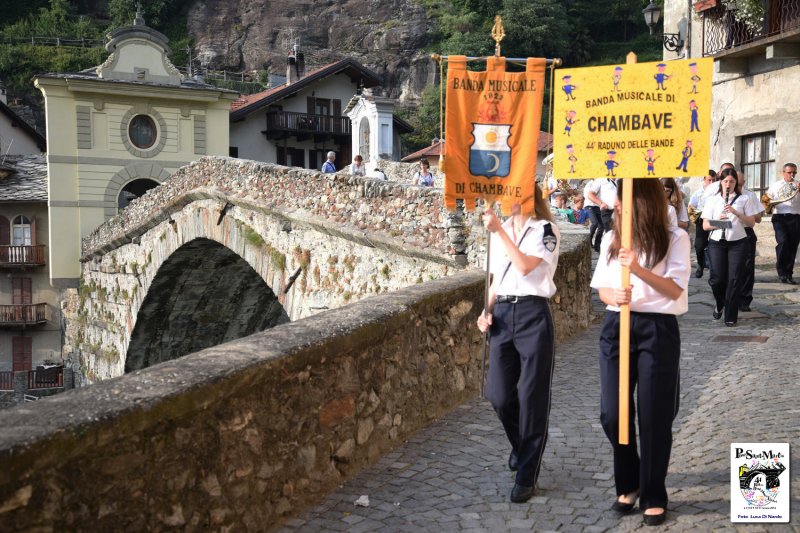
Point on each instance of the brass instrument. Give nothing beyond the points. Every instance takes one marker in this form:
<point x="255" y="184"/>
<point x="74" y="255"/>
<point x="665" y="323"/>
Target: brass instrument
<point x="694" y="213"/>
<point x="786" y="193"/>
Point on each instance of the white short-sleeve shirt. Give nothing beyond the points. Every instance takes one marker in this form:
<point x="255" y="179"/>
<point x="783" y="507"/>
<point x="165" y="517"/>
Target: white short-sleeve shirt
<point x="676" y="265"/>
<point x="713" y="211"/>
<point x="541" y="239"/>
<point x="780" y="189"/>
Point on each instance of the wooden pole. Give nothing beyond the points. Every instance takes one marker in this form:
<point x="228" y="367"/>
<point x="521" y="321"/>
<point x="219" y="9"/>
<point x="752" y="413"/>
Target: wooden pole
<point x="625" y="310"/>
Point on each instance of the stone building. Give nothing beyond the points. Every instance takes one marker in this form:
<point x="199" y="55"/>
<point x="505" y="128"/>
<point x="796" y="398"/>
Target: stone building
<point x="297" y="123"/>
<point x="30" y="318"/>
<point x="756" y="68"/>
<point x="118" y="130"/>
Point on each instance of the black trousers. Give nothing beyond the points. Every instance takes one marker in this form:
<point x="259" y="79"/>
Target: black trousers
<point x="596" y="228"/>
<point x="787" y="235"/>
<point x="727" y="274"/>
<point x="749" y="268"/>
<point x="700" y="244"/>
<point x="521" y="356"/>
<point x="655" y="376"/>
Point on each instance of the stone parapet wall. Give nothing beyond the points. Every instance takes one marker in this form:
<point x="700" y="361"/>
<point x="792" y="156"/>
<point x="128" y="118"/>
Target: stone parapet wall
<point x="237" y="436"/>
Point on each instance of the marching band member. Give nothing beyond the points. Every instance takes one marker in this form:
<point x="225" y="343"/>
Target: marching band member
<point x="750" y="261"/>
<point x="675" y="199"/>
<point x="727" y="248"/>
<point x="522" y="348"/>
<point x="660" y="267"/>
<point x="696" y="204"/>
<point x="602" y="192"/>
<point x="786" y="222"/>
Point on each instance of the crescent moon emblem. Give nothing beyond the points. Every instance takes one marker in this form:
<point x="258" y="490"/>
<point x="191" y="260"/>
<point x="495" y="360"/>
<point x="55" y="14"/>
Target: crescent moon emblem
<point x="496" y="163"/>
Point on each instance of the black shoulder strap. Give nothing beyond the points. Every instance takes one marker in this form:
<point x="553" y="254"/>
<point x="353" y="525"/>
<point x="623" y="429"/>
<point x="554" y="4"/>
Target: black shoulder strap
<point x="509" y="262"/>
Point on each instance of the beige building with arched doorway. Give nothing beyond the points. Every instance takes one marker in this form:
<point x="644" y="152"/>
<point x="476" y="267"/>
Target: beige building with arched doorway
<point x="117" y="130"/>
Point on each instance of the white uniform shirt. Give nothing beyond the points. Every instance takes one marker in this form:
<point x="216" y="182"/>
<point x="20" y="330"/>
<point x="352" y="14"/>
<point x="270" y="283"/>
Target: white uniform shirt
<point x="713" y="210"/>
<point x="778" y="190"/>
<point x="539" y="281"/>
<point x="676" y="265"/>
<point x="586" y="188"/>
<point x="711" y="190"/>
<point x="698" y="199"/>
<point x="683" y="214"/>
<point x="605" y="189"/>
<point x="673" y="218"/>
<point x="756" y="207"/>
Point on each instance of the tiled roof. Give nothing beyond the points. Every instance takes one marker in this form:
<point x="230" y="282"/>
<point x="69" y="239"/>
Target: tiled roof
<point x="545" y="144"/>
<point x="27" y="181"/>
<point x="253" y="102"/>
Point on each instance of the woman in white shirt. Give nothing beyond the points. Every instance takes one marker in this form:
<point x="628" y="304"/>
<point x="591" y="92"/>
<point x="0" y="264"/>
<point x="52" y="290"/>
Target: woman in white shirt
<point x="675" y="199"/>
<point x="727" y="247"/>
<point x="520" y="323"/>
<point x="660" y="266"/>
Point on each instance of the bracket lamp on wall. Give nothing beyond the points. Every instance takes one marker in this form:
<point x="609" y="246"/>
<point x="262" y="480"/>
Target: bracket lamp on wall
<point x="671" y="41"/>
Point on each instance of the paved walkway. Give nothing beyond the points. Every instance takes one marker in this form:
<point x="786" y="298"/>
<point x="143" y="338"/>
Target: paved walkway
<point x="452" y="476"/>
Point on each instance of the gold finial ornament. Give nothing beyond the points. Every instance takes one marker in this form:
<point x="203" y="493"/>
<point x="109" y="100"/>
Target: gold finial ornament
<point x="497" y="34"/>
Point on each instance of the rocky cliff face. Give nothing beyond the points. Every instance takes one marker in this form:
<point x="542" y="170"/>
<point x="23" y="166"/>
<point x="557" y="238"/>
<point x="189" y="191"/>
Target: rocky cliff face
<point x="385" y="35"/>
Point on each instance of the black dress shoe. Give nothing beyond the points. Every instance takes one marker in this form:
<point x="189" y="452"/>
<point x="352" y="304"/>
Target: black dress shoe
<point x="717" y="314"/>
<point x="744" y="308"/>
<point x="513" y="461"/>
<point x="730" y="324"/>
<point x="521" y="493"/>
<point x="698" y="273"/>
<point x="654" y="519"/>
<point x="790" y="280"/>
<point x="784" y="279"/>
<point x="622" y="507"/>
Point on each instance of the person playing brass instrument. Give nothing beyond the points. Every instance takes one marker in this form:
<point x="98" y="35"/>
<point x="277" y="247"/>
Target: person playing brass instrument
<point x="786" y="222"/>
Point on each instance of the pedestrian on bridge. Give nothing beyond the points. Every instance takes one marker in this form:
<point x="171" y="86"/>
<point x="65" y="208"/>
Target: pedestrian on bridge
<point x="520" y="323"/>
<point x="659" y="266"/>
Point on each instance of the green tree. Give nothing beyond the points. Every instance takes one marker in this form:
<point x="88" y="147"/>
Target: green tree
<point x="535" y="28"/>
<point x="425" y="120"/>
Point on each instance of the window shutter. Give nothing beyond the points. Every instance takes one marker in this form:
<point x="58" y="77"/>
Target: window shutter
<point x="5" y="231"/>
<point x="21" y="291"/>
<point x="310" y="105"/>
<point x="337" y="108"/>
<point x="22" y="349"/>
<point x="33" y="231"/>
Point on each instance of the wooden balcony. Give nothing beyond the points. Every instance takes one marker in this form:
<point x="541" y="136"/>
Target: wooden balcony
<point x="46" y="378"/>
<point x="726" y="37"/>
<point x="283" y="124"/>
<point x="17" y="315"/>
<point x="22" y="256"/>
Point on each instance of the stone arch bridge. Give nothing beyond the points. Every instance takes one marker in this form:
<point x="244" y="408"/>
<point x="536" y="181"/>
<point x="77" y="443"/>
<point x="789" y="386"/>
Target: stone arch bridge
<point x="227" y="247"/>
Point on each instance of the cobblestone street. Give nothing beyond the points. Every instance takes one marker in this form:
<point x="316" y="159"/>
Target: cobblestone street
<point x="737" y="385"/>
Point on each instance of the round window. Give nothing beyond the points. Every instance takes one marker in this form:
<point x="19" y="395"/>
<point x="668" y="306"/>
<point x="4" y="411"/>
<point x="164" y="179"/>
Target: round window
<point x="142" y="131"/>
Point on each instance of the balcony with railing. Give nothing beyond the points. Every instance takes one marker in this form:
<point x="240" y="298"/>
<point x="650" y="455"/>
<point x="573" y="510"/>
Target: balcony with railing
<point x="282" y="124"/>
<point x="41" y="378"/>
<point x="22" y="256"/>
<point x="17" y="315"/>
<point x="730" y="32"/>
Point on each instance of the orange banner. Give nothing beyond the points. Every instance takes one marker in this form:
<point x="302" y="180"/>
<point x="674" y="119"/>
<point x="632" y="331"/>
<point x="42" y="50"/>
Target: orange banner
<point x="492" y="132"/>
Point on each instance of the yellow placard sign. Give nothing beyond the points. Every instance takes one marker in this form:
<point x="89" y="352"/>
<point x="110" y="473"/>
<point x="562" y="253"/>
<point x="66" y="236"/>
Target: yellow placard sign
<point x="492" y="130"/>
<point x="643" y="120"/>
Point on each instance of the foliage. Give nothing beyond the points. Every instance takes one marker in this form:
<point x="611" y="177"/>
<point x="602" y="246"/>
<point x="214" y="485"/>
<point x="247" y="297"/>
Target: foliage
<point x="58" y="20"/>
<point x="18" y="63"/>
<point x="425" y="119"/>
<point x="751" y="12"/>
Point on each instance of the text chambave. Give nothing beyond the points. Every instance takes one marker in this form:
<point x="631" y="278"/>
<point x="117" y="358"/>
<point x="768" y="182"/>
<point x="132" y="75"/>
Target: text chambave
<point x="630" y="122"/>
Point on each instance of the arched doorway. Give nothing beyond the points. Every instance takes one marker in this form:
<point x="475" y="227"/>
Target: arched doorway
<point x="203" y="295"/>
<point x="134" y="189"/>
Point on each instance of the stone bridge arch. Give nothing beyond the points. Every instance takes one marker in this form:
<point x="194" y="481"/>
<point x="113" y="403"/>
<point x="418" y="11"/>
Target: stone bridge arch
<point x="204" y="294"/>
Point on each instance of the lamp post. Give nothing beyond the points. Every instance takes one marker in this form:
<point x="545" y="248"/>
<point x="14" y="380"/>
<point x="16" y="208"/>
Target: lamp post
<point x="671" y="41"/>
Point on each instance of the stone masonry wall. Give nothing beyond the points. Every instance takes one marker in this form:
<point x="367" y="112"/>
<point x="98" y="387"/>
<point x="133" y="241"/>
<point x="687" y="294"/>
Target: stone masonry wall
<point x="238" y="436"/>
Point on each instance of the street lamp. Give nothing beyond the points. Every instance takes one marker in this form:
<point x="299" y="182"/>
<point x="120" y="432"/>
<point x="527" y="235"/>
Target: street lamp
<point x="671" y="41"/>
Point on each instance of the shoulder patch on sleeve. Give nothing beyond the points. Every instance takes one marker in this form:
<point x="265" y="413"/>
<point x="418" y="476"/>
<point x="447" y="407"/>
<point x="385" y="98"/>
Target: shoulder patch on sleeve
<point x="549" y="239"/>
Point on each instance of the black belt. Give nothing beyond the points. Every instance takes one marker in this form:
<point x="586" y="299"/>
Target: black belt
<point x="516" y="299"/>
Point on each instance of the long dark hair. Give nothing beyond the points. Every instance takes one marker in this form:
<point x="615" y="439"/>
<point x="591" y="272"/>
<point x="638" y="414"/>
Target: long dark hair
<point x="650" y="222"/>
<point x="540" y="206"/>
<point x="729" y="172"/>
<point x="675" y="196"/>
